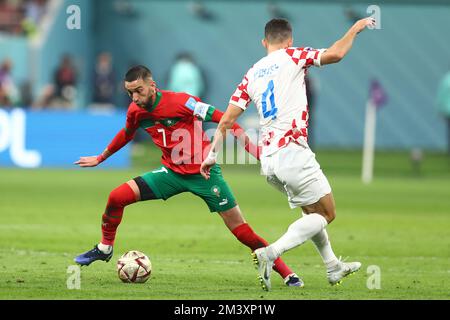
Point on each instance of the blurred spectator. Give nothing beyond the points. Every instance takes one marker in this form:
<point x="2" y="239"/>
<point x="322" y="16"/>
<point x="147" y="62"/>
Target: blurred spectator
<point x="275" y="11"/>
<point x="352" y="15"/>
<point x="125" y="8"/>
<point x="104" y="82"/>
<point x="46" y="98"/>
<point x="11" y="15"/>
<point x="34" y="10"/>
<point x="199" y="10"/>
<point x="4" y="99"/>
<point x="62" y="93"/>
<point x="443" y="102"/>
<point x="186" y="76"/>
<point x="9" y="94"/>
<point x="65" y="79"/>
<point x="21" y="17"/>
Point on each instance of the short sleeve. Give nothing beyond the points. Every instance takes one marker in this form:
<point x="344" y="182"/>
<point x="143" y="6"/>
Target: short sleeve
<point x="240" y="97"/>
<point x="305" y="57"/>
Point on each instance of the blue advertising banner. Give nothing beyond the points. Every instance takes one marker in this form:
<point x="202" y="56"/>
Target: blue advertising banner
<point x="34" y="139"/>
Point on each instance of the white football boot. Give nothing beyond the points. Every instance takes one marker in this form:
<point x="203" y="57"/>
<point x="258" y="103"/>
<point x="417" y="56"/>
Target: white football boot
<point x="264" y="266"/>
<point x="342" y="270"/>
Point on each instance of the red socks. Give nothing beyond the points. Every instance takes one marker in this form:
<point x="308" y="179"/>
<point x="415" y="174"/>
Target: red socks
<point x="247" y="236"/>
<point x="118" y="199"/>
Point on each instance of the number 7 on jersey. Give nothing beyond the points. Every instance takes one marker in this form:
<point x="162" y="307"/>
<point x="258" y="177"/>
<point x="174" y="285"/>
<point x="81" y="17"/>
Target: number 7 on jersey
<point x="164" y="136"/>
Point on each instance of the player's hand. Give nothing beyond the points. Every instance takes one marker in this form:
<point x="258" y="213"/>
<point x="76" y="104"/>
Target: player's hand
<point x="87" y="161"/>
<point x="360" y="25"/>
<point x="206" y="167"/>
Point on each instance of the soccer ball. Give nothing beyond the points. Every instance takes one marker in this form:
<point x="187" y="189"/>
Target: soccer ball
<point x="134" y="266"/>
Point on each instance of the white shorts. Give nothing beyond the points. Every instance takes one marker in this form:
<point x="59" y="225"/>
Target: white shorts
<point x="294" y="171"/>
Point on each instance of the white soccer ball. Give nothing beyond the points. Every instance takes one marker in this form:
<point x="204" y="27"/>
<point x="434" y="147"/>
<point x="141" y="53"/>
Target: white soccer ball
<point x="134" y="266"/>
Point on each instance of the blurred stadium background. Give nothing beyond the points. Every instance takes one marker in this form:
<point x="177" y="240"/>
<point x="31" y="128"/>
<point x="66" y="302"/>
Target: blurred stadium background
<point x="61" y="97"/>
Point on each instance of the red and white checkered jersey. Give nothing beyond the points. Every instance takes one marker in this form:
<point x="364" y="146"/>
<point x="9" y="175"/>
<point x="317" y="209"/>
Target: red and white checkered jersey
<point x="276" y="85"/>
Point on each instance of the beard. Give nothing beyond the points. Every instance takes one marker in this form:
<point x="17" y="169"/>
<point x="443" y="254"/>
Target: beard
<point x="150" y="101"/>
<point x="146" y="104"/>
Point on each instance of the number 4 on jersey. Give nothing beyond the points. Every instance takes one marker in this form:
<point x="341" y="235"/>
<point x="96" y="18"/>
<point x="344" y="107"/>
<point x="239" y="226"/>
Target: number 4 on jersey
<point x="269" y="108"/>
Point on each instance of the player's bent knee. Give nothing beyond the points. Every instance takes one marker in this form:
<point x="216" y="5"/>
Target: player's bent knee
<point x="115" y="199"/>
<point x="328" y="207"/>
<point x="330" y="216"/>
<point x="121" y="196"/>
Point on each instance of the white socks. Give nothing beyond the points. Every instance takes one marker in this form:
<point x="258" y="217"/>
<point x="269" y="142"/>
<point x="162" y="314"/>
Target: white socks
<point x="104" y="248"/>
<point x="323" y="245"/>
<point x="298" y="232"/>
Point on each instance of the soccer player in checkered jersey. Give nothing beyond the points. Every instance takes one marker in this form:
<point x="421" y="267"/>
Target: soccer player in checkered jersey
<point x="170" y="119"/>
<point x="276" y="85"/>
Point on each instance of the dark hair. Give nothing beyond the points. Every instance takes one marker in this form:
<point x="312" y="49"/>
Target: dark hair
<point x="277" y="30"/>
<point x="138" y="72"/>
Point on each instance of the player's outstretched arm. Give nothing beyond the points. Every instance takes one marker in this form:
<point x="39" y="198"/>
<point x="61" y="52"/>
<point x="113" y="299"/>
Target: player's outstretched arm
<point x="340" y="48"/>
<point x="226" y="122"/>
<point x="119" y="141"/>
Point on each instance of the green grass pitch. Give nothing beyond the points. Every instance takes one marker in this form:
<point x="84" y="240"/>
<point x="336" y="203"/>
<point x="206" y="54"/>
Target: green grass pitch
<point x="399" y="224"/>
